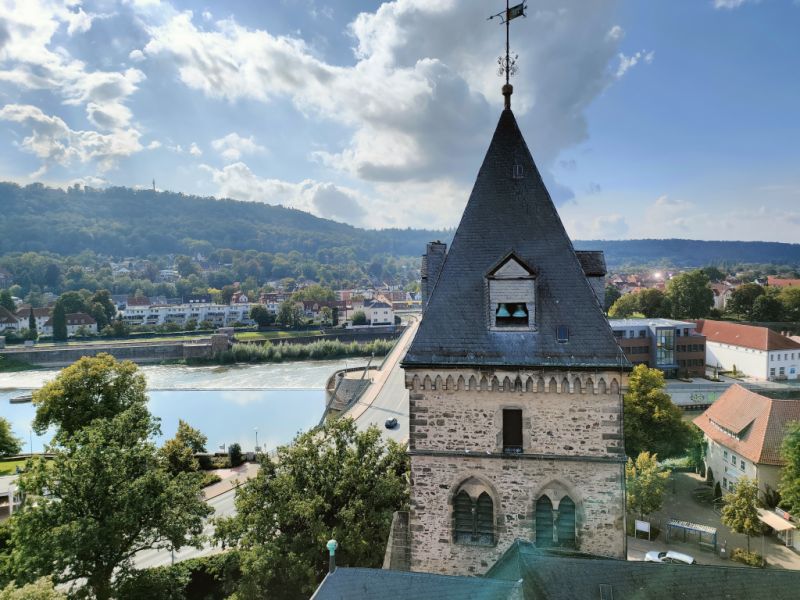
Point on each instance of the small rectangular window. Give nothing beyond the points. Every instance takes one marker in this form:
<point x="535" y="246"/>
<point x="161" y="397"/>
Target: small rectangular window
<point x="562" y="333"/>
<point x="741" y="465"/>
<point x="512" y="430"/>
<point x="518" y="172"/>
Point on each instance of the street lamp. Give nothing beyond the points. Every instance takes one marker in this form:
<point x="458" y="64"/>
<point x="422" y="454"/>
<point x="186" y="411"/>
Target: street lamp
<point x="256" y="430"/>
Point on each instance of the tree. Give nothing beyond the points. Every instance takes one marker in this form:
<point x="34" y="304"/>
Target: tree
<point x="653" y="303"/>
<point x="743" y="298"/>
<point x="59" y="323"/>
<point x="331" y="482"/>
<point x="624" y="307"/>
<point x="790" y="298"/>
<point x="652" y="422"/>
<point x="41" y="589"/>
<point x="789" y="486"/>
<point x="92" y="388"/>
<point x="290" y="314"/>
<point x="261" y="315"/>
<point x="740" y="509"/>
<point x="359" y="318"/>
<point x="326" y="315"/>
<point x="179" y="451"/>
<point x="612" y="294"/>
<point x="713" y="273"/>
<point x="645" y="482"/>
<point x="103" y="497"/>
<point x="315" y="293"/>
<point x="690" y="295"/>
<point x="9" y="444"/>
<point x="7" y="302"/>
<point x="767" y="308"/>
<point x="32" y="328"/>
<point x="73" y="302"/>
<point x="235" y="454"/>
<point x="103" y="298"/>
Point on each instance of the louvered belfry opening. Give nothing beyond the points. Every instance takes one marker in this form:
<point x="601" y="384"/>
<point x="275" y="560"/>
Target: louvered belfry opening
<point x="544" y="522"/>
<point x="473" y="520"/>
<point x="555" y="527"/>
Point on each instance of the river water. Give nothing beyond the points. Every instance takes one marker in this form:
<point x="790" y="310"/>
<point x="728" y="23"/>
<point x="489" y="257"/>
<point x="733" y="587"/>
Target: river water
<point x="228" y="404"/>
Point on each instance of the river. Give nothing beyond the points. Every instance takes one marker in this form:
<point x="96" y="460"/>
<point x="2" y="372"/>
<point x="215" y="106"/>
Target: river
<point x="228" y="404"/>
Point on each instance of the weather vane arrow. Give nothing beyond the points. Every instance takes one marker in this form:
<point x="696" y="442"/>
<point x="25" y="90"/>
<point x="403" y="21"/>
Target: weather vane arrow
<point x="508" y="64"/>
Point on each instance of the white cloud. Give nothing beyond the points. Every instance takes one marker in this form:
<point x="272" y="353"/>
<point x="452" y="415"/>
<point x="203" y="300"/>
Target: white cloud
<point x="55" y="143"/>
<point x="155" y="144"/>
<point x="729" y="4"/>
<point x="322" y="199"/>
<point x="194" y="150"/>
<point x="136" y="55"/>
<point x="232" y="146"/>
<point x="628" y="62"/>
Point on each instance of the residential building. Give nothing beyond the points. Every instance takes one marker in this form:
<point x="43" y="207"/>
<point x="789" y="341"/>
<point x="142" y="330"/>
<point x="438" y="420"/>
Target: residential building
<point x="782" y="283"/>
<point x="757" y="352"/>
<point x="219" y="315"/>
<point x="8" y="321"/>
<point x="744" y="430"/>
<point x="515" y="383"/>
<point x="76" y="323"/>
<point x="378" y="313"/>
<point x="672" y="346"/>
<point x="41" y="315"/>
<point x="722" y="294"/>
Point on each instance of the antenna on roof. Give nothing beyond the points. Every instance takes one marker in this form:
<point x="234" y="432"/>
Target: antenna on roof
<point x="508" y="64"/>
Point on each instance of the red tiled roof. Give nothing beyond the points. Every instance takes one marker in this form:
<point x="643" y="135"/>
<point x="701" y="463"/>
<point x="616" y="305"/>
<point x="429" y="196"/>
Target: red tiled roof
<point x="74" y="319"/>
<point x="778" y="282"/>
<point x="748" y="336"/>
<point x="749" y="424"/>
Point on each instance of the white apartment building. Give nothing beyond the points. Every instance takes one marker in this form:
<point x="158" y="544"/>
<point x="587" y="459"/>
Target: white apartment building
<point x="378" y="313"/>
<point x="219" y="315"/>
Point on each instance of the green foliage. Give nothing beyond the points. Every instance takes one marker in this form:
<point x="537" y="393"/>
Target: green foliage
<point x="116" y="329"/>
<point x="713" y="273"/>
<point x="73" y="302"/>
<point x="697" y="447"/>
<point x="359" y="318"/>
<point x="650" y="303"/>
<point x="767" y="308"/>
<point x="33" y="331"/>
<point x="290" y="314"/>
<point x="314" y="293"/>
<point x="6" y="301"/>
<point x="624" y="307"/>
<point x="689" y="295"/>
<point x="9" y="444"/>
<point x="751" y="559"/>
<point x="652" y="422"/>
<point x="235" y="454"/>
<point x="740" y="509"/>
<point x="743" y="298"/>
<point x="105" y="496"/>
<point x="611" y="296"/>
<point x="59" y="322"/>
<point x="257" y="353"/>
<point x="644" y="483"/>
<point x="261" y="315"/>
<point x="332" y="482"/>
<point x="96" y="387"/>
<point x="41" y="589"/>
<point x="789" y="486"/>
<point x="790" y="298"/>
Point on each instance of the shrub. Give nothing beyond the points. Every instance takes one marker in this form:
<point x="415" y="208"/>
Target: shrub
<point x="210" y="479"/>
<point x="751" y="559"/>
<point x="235" y="454"/>
<point x="257" y="353"/>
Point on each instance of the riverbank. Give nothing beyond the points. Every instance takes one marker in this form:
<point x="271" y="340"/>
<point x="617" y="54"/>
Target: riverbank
<point x="321" y="350"/>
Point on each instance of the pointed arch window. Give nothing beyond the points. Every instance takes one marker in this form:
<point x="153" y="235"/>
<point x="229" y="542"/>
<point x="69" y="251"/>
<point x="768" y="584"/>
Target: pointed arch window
<point x="473" y="519"/>
<point x="555" y="526"/>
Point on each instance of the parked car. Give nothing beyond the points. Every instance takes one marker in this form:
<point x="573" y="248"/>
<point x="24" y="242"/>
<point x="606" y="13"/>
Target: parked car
<point x="391" y="423"/>
<point x="669" y="557"/>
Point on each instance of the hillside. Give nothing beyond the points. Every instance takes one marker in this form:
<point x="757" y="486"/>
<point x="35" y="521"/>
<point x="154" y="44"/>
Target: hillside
<point x="126" y="222"/>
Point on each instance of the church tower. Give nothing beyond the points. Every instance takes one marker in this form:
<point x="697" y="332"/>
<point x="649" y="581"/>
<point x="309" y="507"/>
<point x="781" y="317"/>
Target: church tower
<point x="515" y="383"/>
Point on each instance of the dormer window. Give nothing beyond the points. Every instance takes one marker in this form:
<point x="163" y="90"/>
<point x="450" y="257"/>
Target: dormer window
<point x="512" y="296"/>
<point x="562" y="334"/>
<point x="518" y="172"/>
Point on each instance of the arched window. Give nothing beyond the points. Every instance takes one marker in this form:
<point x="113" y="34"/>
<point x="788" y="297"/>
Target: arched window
<point x="555" y="527"/>
<point x="473" y="520"/>
<point x="544" y="522"/>
<point x="565" y="527"/>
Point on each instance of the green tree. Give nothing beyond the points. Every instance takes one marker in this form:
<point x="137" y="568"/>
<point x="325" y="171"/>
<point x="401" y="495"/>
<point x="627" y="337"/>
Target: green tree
<point x="73" y="302"/>
<point x="33" y="331"/>
<point x="331" y="482"/>
<point x="92" y="388"/>
<point x="315" y="293"/>
<point x="713" y="273"/>
<point x="326" y="315"/>
<point x="690" y="296"/>
<point x="103" y="497"/>
<point x="767" y="308"/>
<point x="652" y="422"/>
<point x="59" y="323"/>
<point x="612" y="295"/>
<point x="790" y="298"/>
<point x="6" y="301"/>
<point x="359" y="318"/>
<point x="624" y="307"/>
<point x="290" y="314"/>
<point x="261" y="315"/>
<point x="179" y="451"/>
<point x="103" y="298"/>
<point x="789" y="486"/>
<point x="41" y="589"/>
<point x="235" y="454"/>
<point x="740" y="509"/>
<point x="644" y="483"/>
<point x="743" y="298"/>
<point x="9" y="444"/>
<point x="653" y="303"/>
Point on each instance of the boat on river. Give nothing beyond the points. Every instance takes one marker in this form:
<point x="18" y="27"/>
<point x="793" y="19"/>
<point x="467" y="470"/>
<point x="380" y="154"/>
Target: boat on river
<point x="21" y="399"/>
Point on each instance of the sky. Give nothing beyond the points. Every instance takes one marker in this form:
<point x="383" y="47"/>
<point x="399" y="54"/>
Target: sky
<point x="647" y="119"/>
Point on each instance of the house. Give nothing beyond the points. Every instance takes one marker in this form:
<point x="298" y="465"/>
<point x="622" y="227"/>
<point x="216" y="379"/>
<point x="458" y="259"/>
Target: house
<point x="758" y="352"/>
<point x="672" y="346"/>
<point x="76" y="322"/>
<point x="722" y="294"/>
<point x="42" y="315"/>
<point x="378" y="313"/>
<point x="8" y="321"/>
<point x="744" y="430"/>
<point x="782" y="283"/>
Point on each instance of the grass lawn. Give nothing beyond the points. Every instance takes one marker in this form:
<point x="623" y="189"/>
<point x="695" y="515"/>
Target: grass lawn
<point x="9" y="467"/>
<point x="271" y="335"/>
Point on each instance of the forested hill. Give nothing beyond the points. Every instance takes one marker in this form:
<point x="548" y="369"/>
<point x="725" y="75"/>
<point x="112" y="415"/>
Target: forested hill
<point x="126" y="222"/>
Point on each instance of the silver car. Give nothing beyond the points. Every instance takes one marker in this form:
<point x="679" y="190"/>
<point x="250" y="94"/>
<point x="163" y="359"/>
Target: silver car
<point x="669" y="557"/>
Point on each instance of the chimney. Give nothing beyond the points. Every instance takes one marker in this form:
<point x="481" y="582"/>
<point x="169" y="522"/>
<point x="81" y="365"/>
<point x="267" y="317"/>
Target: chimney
<point x="432" y="262"/>
<point x="332" y="545"/>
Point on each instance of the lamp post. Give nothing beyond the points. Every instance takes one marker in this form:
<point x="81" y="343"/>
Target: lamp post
<point x="256" y="430"/>
<point x="30" y="433"/>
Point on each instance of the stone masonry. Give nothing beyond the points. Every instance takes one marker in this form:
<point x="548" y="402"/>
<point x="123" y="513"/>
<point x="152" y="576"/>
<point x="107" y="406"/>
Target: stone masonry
<point x="572" y="426"/>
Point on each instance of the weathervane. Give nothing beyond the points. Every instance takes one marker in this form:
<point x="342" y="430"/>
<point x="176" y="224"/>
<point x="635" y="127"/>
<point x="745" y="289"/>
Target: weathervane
<point x="508" y="64"/>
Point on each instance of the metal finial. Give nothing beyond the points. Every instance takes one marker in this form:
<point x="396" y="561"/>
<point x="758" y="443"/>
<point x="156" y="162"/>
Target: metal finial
<point x="507" y="65"/>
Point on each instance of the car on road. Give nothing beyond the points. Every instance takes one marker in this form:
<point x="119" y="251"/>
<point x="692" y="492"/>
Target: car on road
<point x="391" y="423"/>
<point x="670" y="556"/>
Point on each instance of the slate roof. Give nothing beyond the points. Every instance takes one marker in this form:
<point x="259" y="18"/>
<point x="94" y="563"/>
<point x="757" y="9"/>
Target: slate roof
<point x="506" y="214"/>
<point x="7" y="317"/>
<point x="750" y="424"/>
<point x="747" y="336"/>
<point x="548" y="576"/>
<point x="593" y="262"/>
<point x="379" y="584"/>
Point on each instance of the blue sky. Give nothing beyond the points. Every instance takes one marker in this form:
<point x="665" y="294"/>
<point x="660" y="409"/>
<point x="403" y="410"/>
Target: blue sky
<point x="665" y="118"/>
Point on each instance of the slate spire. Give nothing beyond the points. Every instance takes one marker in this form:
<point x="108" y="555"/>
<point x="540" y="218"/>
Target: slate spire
<point x="510" y="212"/>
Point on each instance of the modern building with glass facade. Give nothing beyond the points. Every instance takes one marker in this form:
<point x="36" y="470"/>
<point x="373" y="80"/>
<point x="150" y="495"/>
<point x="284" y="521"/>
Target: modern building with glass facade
<point x="675" y="347"/>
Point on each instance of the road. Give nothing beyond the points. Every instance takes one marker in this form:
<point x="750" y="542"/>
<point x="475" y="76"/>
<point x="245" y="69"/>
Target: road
<point x="223" y="507"/>
<point x="387" y="396"/>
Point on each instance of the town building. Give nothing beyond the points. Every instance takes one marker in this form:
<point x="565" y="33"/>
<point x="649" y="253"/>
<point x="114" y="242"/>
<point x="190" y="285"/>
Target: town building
<point x="757" y="352"/>
<point x="77" y="323"/>
<point x="41" y="316"/>
<point x="780" y="282"/>
<point x="722" y="294"/>
<point x="378" y="313"/>
<point x="672" y="346"/>
<point x="744" y="430"/>
<point x="515" y="382"/>
<point x="219" y="315"/>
